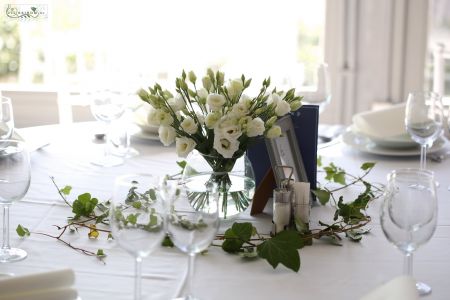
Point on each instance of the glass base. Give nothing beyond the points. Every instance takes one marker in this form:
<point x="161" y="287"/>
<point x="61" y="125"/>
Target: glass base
<point x="12" y="255"/>
<point x="108" y="161"/>
<point x="423" y="288"/>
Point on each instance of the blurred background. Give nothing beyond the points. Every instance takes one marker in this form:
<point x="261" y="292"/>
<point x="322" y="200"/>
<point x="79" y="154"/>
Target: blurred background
<point x="377" y="51"/>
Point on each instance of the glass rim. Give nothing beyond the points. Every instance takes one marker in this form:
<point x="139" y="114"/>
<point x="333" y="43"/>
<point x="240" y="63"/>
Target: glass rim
<point x="420" y="172"/>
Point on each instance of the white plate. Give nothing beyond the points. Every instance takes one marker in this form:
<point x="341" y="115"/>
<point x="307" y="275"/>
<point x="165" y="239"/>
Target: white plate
<point x="400" y="141"/>
<point x="366" y="145"/>
<point x="146" y="136"/>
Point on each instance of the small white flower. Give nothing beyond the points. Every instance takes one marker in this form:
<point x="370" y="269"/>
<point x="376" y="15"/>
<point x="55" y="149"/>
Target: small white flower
<point x="225" y="146"/>
<point x="282" y="108"/>
<point x="273" y="99"/>
<point x="184" y="146"/>
<point x="212" y="118"/>
<point x="177" y="103"/>
<point x="165" y="119"/>
<point x="189" y="125"/>
<point x="255" y="127"/>
<point x="273" y="132"/>
<point x="234" y="88"/>
<point x="215" y="101"/>
<point x="153" y="117"/>
<point x="240" y="109"/>
<point x="229" y="127"/>
<point x="202" y="93"/>
<point x="166" y="135"/>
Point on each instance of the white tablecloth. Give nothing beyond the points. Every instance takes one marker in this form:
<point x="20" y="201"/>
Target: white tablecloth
<point x="327" y="272"/>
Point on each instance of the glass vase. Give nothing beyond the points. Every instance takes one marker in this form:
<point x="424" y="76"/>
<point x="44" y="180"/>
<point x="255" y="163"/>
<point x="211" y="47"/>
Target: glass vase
<point x="233" y="177"/>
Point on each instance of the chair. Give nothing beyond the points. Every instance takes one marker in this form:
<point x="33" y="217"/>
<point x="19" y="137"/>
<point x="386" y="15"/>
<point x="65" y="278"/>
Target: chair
<point x="33" y="108"/>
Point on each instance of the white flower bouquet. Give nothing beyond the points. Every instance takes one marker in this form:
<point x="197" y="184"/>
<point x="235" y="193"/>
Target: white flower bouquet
<point x="218" y="119"/>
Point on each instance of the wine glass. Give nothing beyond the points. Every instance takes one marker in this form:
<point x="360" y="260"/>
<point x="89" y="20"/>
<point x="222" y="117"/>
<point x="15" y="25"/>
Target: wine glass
<point x="192" y="229"/>
<point x="6" y="118"/>
<point x="409" y="213"/>
<point x="15" y="176"/>
<point x="137" y="217"/>
<point x="107" y="106"/>
<point x="423" y="120"/>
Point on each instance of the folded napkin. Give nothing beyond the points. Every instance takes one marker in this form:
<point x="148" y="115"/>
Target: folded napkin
<point x="384" y="123"/>
<point x="54" y="285"/>
<point x="399" y="288"/>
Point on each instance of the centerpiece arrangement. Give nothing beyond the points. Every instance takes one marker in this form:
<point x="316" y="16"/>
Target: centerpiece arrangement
<point x="214" y="125"/>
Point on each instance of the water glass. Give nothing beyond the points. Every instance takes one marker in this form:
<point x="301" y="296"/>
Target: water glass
<point x="107" y="106"/>
<point x="6" y="118"/>
<point x="137" y="217"/>
<point x="192" y="228"/>
<point x="15" y="176"/>
<point x="424" y="120"/>
<point x="409" y="213"/>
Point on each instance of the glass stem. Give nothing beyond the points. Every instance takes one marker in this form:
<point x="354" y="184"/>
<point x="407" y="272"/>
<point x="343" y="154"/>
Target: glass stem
<point x="423" y="156"/>
<point x="190" y="278"/>
<point x="5" y="243"/>
<point x="137" y="278"/>
<point x="408" y="268"/>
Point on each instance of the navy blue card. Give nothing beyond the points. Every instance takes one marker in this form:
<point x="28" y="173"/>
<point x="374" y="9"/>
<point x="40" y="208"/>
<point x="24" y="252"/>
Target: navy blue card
<point x="306" y="122"/>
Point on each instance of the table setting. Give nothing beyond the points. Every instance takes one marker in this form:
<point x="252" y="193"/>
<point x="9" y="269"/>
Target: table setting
<point x="188" y="193"/>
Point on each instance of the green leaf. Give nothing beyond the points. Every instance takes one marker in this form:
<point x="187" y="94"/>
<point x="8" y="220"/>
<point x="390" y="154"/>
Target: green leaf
<point x="137" y="204"/>
<point x="110" y="236"/>
<point x="152" y="194"/>
<point x="101" y="253"/>
<point x="339" y="177"/>
<point x="322" y="195"/>
<point x="319" y="161"/>
<point x="367" y="165"/>
<point x="167" y="242"/>
<point x="236" y="236"/>
<point x="282" y="248"/>
<point x="84" y="205"/>
<point x="182" y="164"/>
<point x="66" y="190"/>
<point x="132" y="218"/>
<point x="22" y="231"/>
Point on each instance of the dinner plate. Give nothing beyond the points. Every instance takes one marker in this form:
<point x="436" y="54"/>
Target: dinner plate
<point x="366" y="145"/>
<point x="399" y="141"/>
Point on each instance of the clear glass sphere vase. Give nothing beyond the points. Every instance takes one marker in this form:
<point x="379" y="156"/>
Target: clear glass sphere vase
<point x="234" y="178"/>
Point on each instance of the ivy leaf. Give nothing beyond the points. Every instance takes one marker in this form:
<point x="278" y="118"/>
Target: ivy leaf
<point x="367" y="165"/>
<point x="282" y="248"/>
<point x="22" y="231"/>
<point x="339" y="177"/>
<point x="137" y="204"/>
<point x="84" y="205"/>
<point x="322" y="195"/>
<point x="66" y="190"/>
<point x="132" y="218"/>
<point x="101" y="253"/>
<point x="236" y="236"/>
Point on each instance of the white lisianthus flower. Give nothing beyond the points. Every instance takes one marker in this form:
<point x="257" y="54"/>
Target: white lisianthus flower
<point x="189" y="125"/>
<point x="184" y="146"/>
<point x="229" y="127"/>
<point x="255" y="127"/>
<point x="225" y="146"/>
<point x="212" y="118"/>
<point x="202" y="93"/>
<point x="282" y="108"/>
<point x="167" y="135"/>
<point x="165" y="119"/>
<point x="215" y="101"/>
<point x="234" y="88"/>
<point x="273" y="99"/>
<point x="240" y="109"/>
<point x="176" y="103"/>
<point x="153" y="117"/>
<point x="273" y="132"/>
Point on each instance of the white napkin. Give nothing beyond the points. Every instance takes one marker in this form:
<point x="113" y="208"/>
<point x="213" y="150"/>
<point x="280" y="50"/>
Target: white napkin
<point x="399" y="288"/>
<point x="383" y="123"/>
<point x="53" y="285"/>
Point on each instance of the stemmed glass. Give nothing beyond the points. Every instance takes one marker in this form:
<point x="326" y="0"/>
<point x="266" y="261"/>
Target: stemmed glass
<point x="423" y="120"/>
<point x="409" y="213"/>
<point x="6" y="119"/>
<point x="107" y="106"/>
<point x="192" y="229"/>
<point x="15" y="176"/>
<point x="137" y="217"/>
